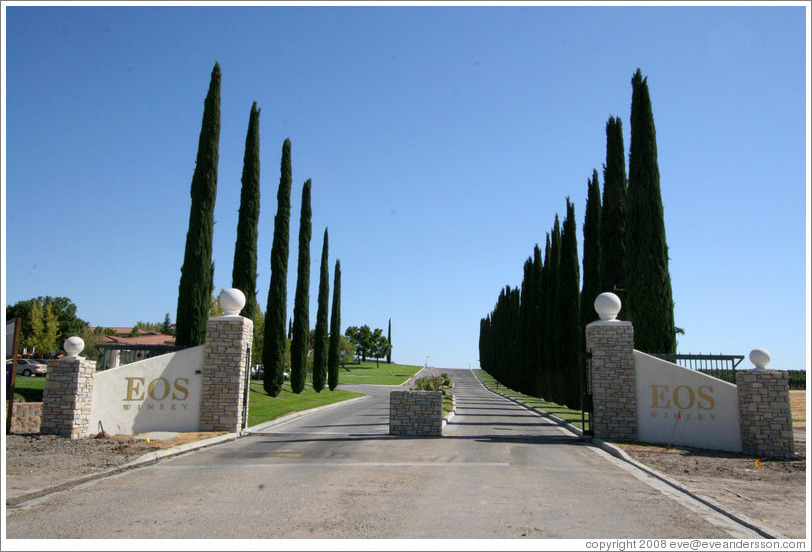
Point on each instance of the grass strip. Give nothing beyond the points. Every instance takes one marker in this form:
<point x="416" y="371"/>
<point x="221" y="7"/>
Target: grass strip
<point x="567" y="414"/>
<point x="264" y="408"/>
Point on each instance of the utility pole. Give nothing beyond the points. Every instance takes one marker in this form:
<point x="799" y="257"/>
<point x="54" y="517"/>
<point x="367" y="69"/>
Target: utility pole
<point x="10" y="389"/>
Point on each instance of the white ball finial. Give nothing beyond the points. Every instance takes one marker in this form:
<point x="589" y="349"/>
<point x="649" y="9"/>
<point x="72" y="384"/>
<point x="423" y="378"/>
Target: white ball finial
<point x="73" y="346"/>
<point x="760" y="358"/>
<point x="607" y="305"/>
<point x="232" y="300"/>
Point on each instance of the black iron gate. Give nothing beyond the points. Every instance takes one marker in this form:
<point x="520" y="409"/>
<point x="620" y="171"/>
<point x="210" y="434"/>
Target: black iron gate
<point x="586" y="395"/>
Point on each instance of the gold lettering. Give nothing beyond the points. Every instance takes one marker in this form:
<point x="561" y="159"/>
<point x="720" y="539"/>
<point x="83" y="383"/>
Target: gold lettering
<point x="133" y="388"/>
<point x="707" y="397"/>
<point x="182" y="389"/>
<point x="658" y="395"/>
<point x="126" y="406"/>
<point x="690" y="397"/>
<point x="151" y="389"/>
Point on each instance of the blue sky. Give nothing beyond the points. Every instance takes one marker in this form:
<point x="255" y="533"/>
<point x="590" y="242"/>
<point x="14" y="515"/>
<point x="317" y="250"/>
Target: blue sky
<point x="441" y="141"/>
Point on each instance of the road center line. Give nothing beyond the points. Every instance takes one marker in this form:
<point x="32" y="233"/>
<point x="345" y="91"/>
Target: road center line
<point x="335" y="465"/>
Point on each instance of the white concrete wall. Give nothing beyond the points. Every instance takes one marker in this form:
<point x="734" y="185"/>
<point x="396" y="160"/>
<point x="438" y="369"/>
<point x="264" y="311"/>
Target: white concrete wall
<point x="157" y="394"/>
<point x="709" y="406"/>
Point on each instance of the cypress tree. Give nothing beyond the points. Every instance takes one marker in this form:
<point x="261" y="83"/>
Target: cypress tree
<point x="613" y="212"/>
<point x="526" y="329"/>
<point x="570" y="312"/>
<point x="545" y="294"/>
<point x="273" y="353"/>
<point x="244" y="272"/>
<point x="537" y="323"/>
<point x="389" y="340"/>
<point x="300" y="344"/>
<point x="194" y="291"/>
<point x="553" y="315"/>
<point x="335" y="331"/>
<point x="649" y="302"/>
<point x="592" y="286"/>
<point x="320" y="337"/>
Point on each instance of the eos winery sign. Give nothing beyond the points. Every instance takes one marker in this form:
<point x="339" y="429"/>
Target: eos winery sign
<point x="684" y="407"/>
<point x="157" y="394"/>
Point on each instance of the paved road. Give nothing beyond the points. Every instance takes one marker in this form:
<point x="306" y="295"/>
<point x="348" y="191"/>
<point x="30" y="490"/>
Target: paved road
<point x="499" y="471"/>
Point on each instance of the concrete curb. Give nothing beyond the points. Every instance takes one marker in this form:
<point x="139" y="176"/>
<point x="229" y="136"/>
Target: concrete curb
<point x="620" y="454"/>
<point x="450" y="415"/>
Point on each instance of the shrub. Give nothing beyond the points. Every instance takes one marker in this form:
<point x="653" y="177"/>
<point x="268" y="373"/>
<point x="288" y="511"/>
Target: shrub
<point x="432" y="383"/>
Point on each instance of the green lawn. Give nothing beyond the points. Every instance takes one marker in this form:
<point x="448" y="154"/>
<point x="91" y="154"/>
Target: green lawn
<point x="566" y="414"/>
<point x="369" y="373"/>
<point x="263" y="408"/>
<point x="28" y="388"/>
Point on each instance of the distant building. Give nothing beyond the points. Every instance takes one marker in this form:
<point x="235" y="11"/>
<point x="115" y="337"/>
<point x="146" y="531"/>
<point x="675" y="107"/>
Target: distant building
<point x="121" y="348"/>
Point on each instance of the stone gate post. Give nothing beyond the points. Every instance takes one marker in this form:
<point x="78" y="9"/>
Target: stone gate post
<point x="225" y="360"/>
<point x="68" y="394"/>
<point x="614" y="392"/>
<point x="764" y="409"/>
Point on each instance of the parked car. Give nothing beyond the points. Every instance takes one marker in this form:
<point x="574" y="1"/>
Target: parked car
<point x="27" y="367"/>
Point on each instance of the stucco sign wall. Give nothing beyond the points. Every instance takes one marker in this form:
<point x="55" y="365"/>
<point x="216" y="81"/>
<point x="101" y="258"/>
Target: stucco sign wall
<point x="684" y="407"/>
<point x="157" y="394"/>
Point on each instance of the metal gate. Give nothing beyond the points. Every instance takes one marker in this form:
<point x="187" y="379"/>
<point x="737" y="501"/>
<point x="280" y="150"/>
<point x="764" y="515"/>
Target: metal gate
<point x="586" y="394"/>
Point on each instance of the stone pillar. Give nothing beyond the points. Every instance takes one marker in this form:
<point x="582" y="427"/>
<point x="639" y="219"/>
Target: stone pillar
<point x="416" y="413"/>
<point x="614" y="391"/>
<point x="225" y="360"/>
<point x="68" y="394"/>
<point x="764" y="410"/>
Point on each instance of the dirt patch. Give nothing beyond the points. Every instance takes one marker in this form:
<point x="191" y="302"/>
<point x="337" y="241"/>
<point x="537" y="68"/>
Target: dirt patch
<point x="771" y="492"/>
<point x="35" y="462"/>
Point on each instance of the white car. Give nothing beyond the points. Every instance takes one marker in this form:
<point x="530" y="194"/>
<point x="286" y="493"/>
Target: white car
<point x="26" y="367"/>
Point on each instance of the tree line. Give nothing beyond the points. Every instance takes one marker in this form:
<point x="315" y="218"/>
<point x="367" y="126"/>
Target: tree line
<point x="533" y="338"/>
<point x="197" y="272"/>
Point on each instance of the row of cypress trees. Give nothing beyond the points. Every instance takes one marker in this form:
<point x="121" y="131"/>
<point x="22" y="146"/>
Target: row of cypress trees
<point x="533" y="338"/>
<point x="197" y="272"/>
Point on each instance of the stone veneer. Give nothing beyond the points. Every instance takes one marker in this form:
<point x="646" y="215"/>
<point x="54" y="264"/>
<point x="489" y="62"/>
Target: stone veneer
<point x="614" y="391"/>
<point x="67" y="397"/>
<point x="416" y="413"/>
<point x="26" y="417"/>
<point x="764" y="413"/>
<point x="224" y="367"/>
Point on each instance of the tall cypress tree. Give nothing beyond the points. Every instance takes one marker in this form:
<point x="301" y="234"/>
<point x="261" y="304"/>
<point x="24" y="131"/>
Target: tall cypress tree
<point x="194" y="291"/>
<point x="537" y="323"/>
<point x="570" y="312"/>
<point x="526" y="329"/>
<point x="554" y="314"/>
<point x="335" y="331"/>
<point x="273" y="353"/>
<point x="613" y="213"/>
<point x="300" y="344"/>
<point x="389" y="340"/>
<point x="320" y="338"/>
<point x="649" y="302"/>
<point x="244" y="272"/>
<point x="592" y="286"/>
